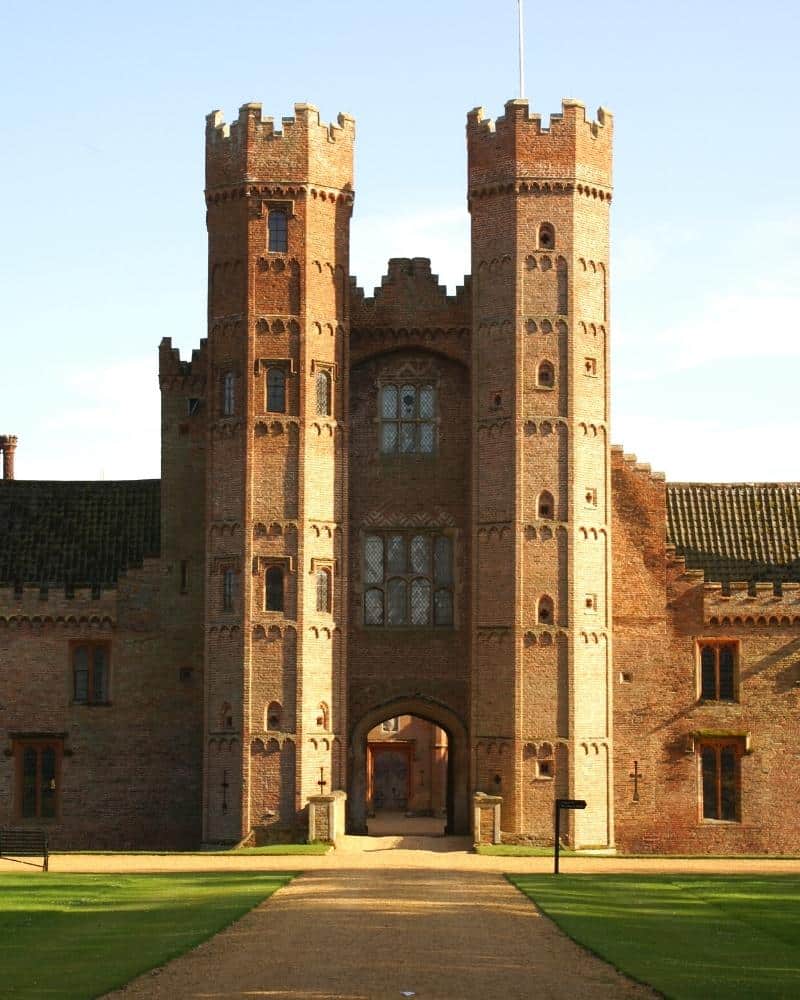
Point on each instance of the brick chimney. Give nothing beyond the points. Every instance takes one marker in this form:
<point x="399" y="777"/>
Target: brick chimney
<point x="8" y="445"/>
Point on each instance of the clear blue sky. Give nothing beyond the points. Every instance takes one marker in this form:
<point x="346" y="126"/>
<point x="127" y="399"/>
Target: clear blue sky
<point x="103" y="248"/>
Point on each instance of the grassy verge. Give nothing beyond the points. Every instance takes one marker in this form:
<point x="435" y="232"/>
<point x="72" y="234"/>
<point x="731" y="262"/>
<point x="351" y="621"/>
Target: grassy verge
<point x="273" y="849"/>
<point x="79" y="936"/>
<point x="519" y="851"/>
<point x="688" y="937"/>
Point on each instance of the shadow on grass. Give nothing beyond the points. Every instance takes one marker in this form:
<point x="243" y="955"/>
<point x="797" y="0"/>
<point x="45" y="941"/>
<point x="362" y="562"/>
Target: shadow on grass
<point x="77" y="936"/>
<point x="687" y="937"/>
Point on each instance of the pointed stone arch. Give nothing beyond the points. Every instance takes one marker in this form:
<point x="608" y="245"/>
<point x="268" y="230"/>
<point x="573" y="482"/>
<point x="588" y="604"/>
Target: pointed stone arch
<point x="457" y="761"/>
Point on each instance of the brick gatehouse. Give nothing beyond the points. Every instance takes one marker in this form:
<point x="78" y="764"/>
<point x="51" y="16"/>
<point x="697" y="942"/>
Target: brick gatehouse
<point x="399" y="519"/>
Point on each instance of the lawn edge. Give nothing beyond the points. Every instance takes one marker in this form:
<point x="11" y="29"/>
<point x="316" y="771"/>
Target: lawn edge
<point x="510" y="876"/>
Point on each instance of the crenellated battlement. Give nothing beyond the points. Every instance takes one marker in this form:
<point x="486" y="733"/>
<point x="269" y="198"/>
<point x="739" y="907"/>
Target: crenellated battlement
<point x="517" y="145"/>
<point x="252" y="149"/>
<point x="171" y="365"/>
<point x="622" y="459"/>
<point x="410" y="308"/>
<point x="751" y="605"/>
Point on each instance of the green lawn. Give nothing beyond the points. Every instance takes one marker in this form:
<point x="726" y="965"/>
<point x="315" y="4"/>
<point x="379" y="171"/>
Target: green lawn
<point x="687" y="936"/>
<point x="78" y="936"/>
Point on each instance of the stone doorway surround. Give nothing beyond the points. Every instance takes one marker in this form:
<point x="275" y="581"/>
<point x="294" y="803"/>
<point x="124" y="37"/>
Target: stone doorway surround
<point x="457" y="760"/>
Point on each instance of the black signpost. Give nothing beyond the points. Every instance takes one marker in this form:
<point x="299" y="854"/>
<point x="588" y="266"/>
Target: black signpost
<point x="563" y="804"/>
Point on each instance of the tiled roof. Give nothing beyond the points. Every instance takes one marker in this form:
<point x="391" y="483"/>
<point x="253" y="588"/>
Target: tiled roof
<point x="736" y="531"/>
<point x="83" y="534"/>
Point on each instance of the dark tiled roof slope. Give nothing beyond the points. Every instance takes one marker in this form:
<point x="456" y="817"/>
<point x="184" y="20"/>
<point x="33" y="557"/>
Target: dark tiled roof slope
<point x="736" y="531"/>
<point x="83" y="534"/>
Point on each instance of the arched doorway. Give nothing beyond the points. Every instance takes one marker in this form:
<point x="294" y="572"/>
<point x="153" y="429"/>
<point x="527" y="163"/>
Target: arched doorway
<point x="407" y="777"/>
<point x="393" y="778"/>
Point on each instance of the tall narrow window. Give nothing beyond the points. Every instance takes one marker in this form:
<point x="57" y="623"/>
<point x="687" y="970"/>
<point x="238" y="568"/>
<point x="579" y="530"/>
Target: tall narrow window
<point x="90" y="673"/>
<point x="545" y="610"/>
<point x="718" y="671"/>
<point x="227" y="590"/>
<point x="278" y="231"/>
<point x="276" y="390"/>
<point x="547" y="236"/>
<point x="38" y="777"/>
<point x="408" y="419"/>
<point x="324" y="591"/>
<point x="323" y="393"/>
<point x="719" y="764"/>
<point x="274" y="589"/>
<point x="228" y="395"/>
<point x="546" y="507"/>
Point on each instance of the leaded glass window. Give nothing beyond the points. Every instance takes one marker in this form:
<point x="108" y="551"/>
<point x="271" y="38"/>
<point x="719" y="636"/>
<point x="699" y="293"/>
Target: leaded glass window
<point x="228" y="394"/>
<point x="323" y="591"/>
<point x="409" y="579"/>
<point x="407" y="419"/>
<point x="274" y="589"/>
<point x="323" y="393"/>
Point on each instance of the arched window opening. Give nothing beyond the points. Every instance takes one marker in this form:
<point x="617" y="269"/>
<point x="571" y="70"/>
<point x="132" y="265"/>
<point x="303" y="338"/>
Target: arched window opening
<point x="323" y="393"/>
<point x="545" y="610"/>
<point x="228" y="395"/>
<point x="276" y="390"/>
<point x="546" y="376"/>
<point x="274" y="589"/>
<point x="324" y="591"/>
<point x="225" y="716"/>
<point x="323" y="717"/>
<point x="278" y="231"/>
<point x="547" y="236"/>
<point x="546" y="506"/>
<point x="274" y="716"/>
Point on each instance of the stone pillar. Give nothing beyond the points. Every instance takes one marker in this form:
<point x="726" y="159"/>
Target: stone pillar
<point x="326" y="817"/>
<point x="8" y="445"/>
<point x="486" y="818"/>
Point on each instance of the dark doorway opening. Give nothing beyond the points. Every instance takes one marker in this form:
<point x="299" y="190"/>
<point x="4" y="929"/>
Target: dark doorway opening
<point x="407" y="777"/>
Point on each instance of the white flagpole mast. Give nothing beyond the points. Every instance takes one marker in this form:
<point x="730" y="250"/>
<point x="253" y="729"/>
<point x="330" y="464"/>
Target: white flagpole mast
<point x="521" y="50"/>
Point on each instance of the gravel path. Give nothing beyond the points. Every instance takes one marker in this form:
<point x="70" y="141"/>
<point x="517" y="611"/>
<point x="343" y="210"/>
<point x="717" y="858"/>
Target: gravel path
<point x="372" y="934"/>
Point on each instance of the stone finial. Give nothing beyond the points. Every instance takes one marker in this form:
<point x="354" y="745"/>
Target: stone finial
<point x="8" y="445"/>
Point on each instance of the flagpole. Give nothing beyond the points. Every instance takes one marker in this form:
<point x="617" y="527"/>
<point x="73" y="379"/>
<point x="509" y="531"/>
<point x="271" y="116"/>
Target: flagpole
<point x="521" y="51"/>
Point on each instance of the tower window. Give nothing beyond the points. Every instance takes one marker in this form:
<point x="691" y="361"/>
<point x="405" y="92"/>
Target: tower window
<point x="547" y="236"/>
<point x="546" y="506"/>
<point x="323" y="393"/>
<point x="228" y="394"/>
<point x="278" y="225"/>
<point x="545" y="610"/>
<point x="407" y="415"/>
<point x="324" y="591"/>
<point x="274" y="715"/>
<point x="546" y="376"/>
<point x="227" y="590"/>
<point x="274" y="589"/>
<point x="276" y="390"/>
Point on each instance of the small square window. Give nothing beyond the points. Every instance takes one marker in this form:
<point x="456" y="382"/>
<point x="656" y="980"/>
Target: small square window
<point x="590" y="366"/>
<point x="591" y="496"/>
<point x="590" y="602"/>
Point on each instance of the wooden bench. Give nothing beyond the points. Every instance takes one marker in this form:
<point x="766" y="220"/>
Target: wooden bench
<point x="25" y="844"/>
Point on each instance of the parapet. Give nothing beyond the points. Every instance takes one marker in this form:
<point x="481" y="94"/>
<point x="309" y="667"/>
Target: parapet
<point x="171" y="367"/>
<point x="410" y="308"/>
<point x="252" y="149"/>
<point x="517" y="146"/>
